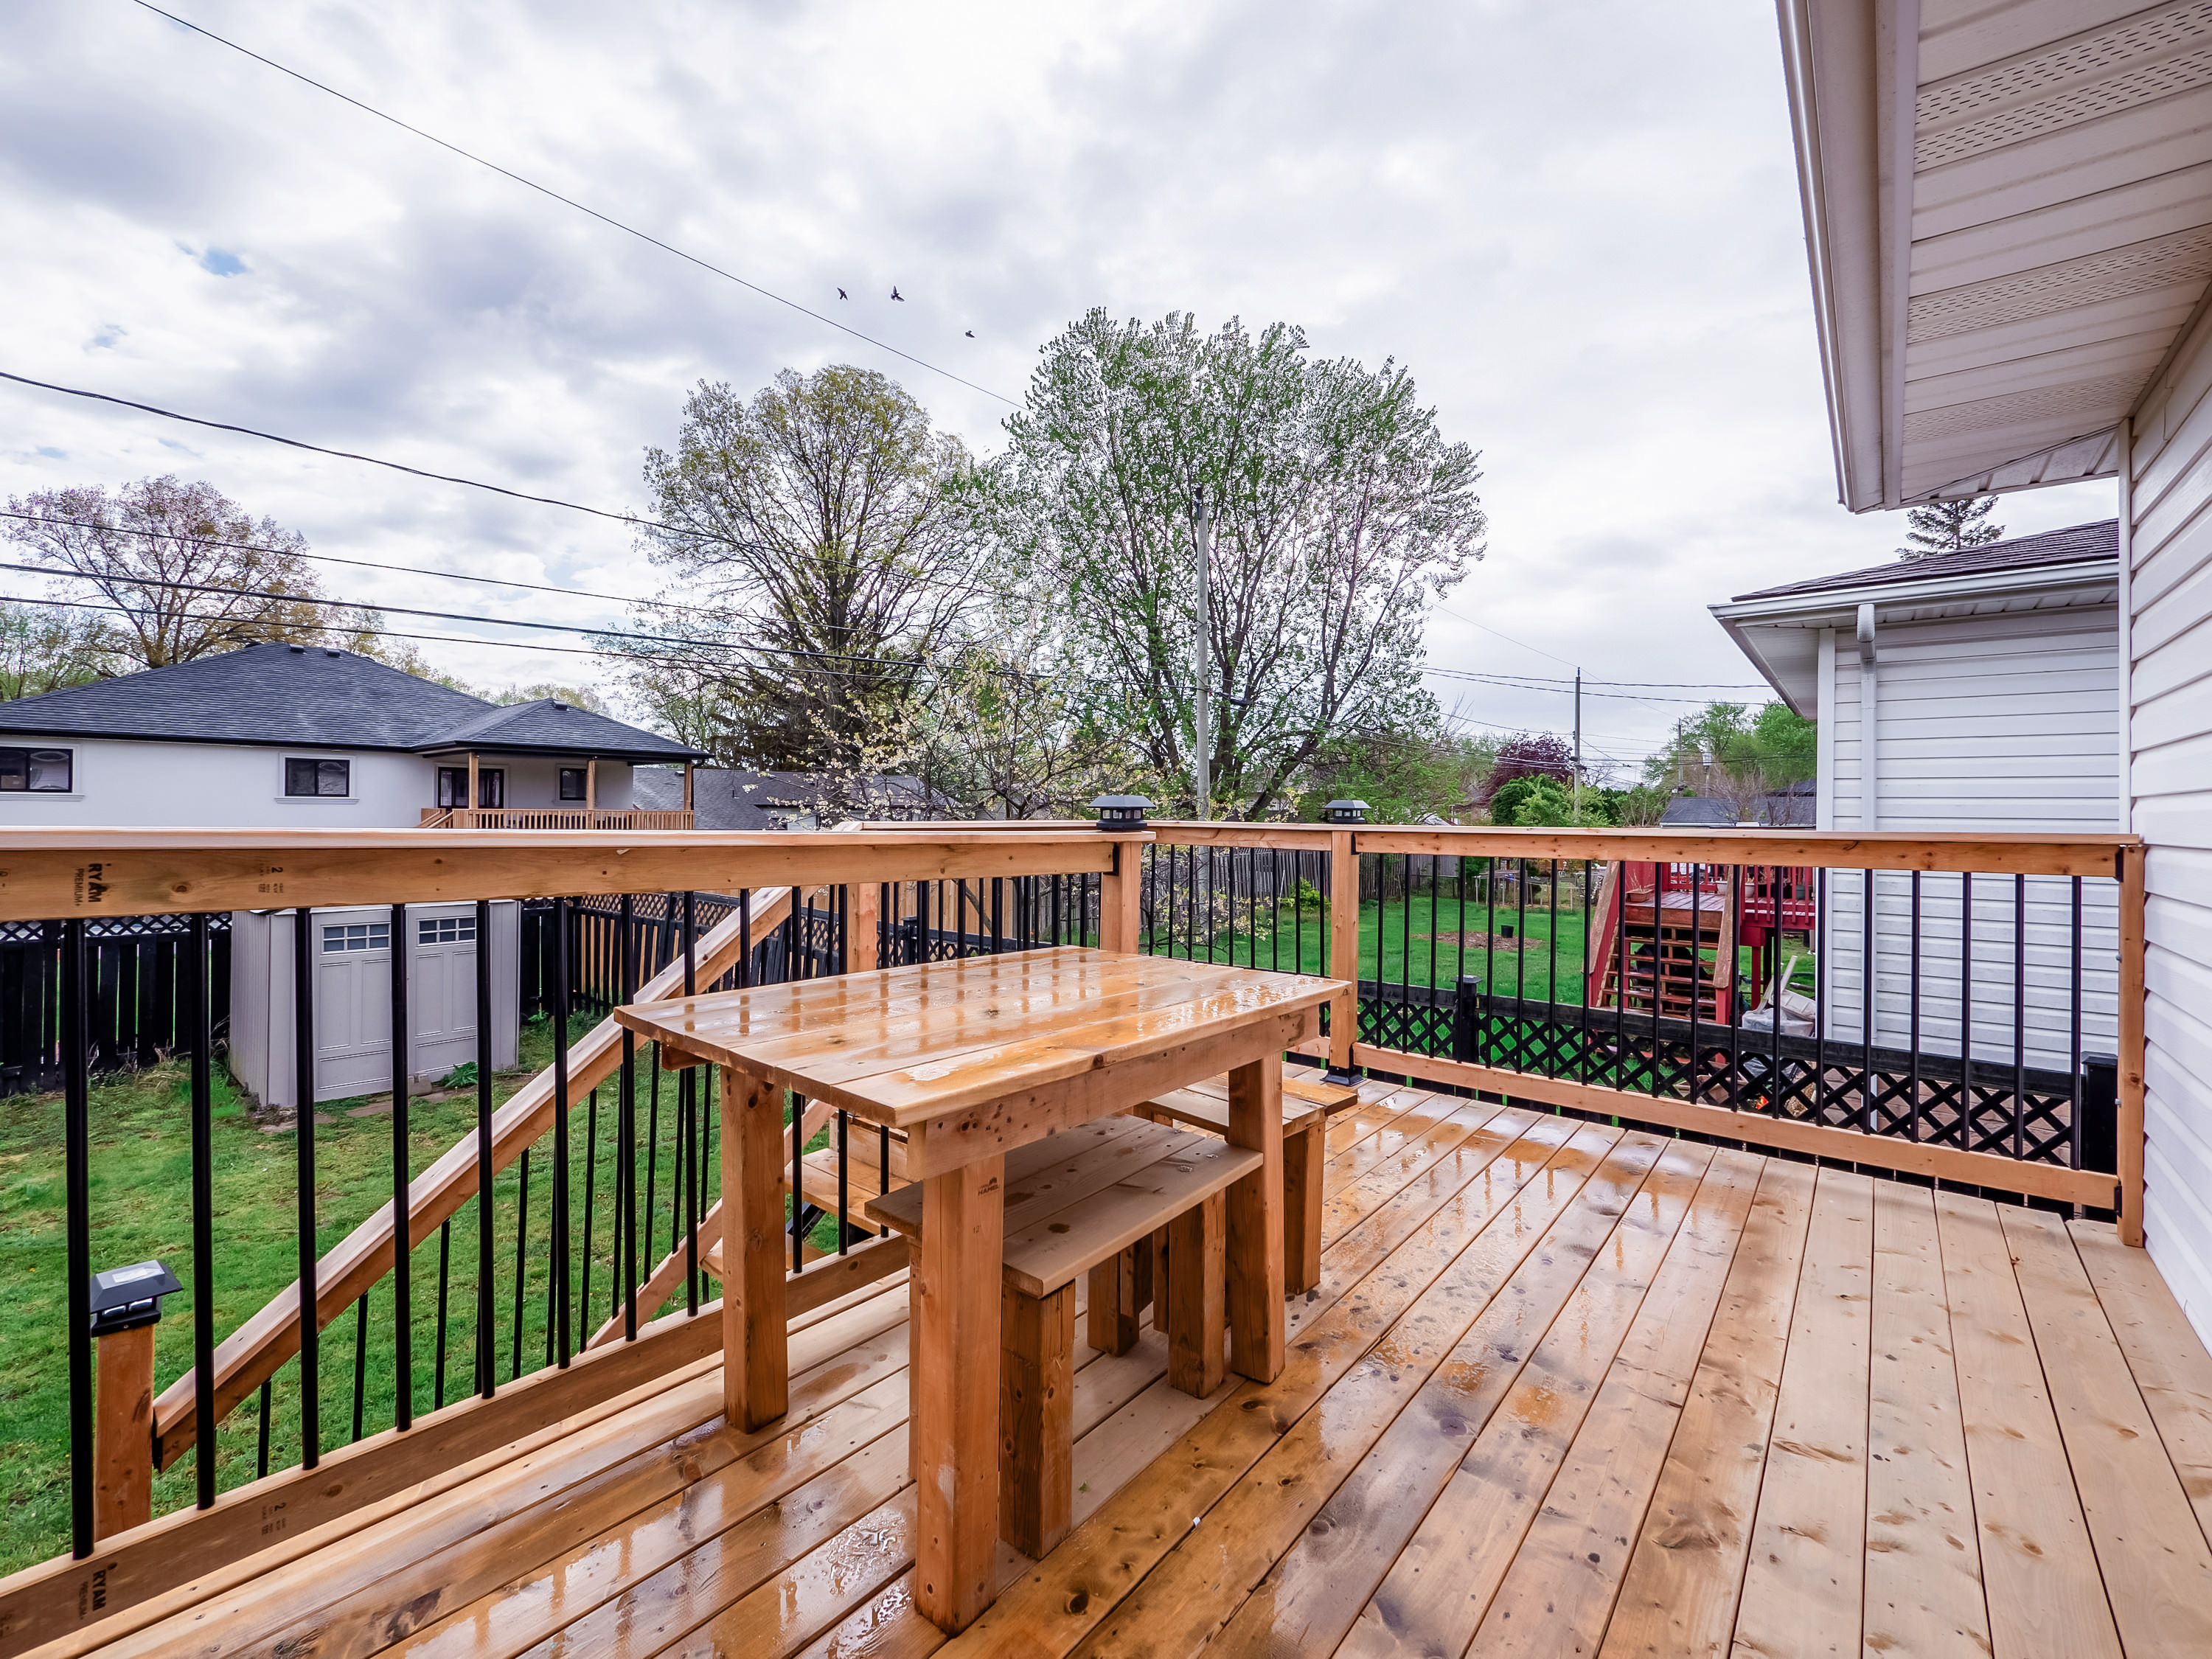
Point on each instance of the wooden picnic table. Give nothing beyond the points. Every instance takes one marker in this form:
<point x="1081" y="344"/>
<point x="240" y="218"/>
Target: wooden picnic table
<point x="972" y="1059"/>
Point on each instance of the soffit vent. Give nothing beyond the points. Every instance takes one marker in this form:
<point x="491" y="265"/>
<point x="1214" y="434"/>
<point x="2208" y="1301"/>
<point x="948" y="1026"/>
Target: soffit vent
<point x="2138" y="62"/>
<point x="2109" y="395"/>
<point x="2160" y="262"/>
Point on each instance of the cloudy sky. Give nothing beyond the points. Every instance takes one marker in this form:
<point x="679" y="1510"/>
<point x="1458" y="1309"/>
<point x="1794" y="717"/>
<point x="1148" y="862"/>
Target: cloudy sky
<point x="1578" y="224"/>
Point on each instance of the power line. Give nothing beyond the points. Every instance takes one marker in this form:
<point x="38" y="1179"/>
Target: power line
<point x="1557" y="690"/>
<point x="569" y="202"/>
<point x="1487" y="628"/>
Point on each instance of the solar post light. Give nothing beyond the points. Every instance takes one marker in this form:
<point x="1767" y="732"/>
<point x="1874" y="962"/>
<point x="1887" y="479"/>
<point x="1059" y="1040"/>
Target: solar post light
<point x="126" y="1305"/>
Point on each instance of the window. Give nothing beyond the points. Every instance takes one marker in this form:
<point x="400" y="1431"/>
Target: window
<point x="454" y="786"/>
<point x="446" y="930"/>
<point x="46" y="770"/>
<point x="317" y="777"/>
<point x="572" y="783"/>
<point x="359" y="936"/>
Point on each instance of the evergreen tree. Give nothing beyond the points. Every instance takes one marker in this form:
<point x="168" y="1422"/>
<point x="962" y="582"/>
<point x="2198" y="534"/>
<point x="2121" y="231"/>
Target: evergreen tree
<point x="1949" y="527"/>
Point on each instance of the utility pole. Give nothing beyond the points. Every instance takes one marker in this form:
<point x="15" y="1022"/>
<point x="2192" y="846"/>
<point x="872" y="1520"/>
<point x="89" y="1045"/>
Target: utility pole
<point x="1578" y="745"/>
<point x="1202" y="749"/>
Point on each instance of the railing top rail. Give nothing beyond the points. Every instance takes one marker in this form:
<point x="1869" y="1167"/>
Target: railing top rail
<point x="1280" y="837"/>
<point x="67" y="872"/>
<point x="1977" y="850"/>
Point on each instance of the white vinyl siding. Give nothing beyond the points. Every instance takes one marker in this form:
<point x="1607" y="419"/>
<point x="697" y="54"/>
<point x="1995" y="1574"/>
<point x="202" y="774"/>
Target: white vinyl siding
<point x="2170" y="794"/>
<point x="2005" y="721"/>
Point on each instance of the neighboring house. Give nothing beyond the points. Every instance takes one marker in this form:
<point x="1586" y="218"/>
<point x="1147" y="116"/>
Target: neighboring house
<point x="724" y="799"/>
<point x="1699" y="812"/>
<point x="1970" y="690"/>
<point x="1776" y="809"/>
<point x="2009" y="210"/>
<point x="288" y="737"/>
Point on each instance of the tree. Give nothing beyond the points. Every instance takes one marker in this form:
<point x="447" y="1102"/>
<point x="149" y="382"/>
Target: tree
<point x="820" y="526"/>
<point x="1402" y="778"/>
<point x="187" y="572"/>
<point x="1730" y="751"/>
<point x="1528" y="755"/>
<point x="44" y="648"/>
<point x="1541" y="801"/>
<point x="1949" y="527"/>
<point x="1338" y="514"/>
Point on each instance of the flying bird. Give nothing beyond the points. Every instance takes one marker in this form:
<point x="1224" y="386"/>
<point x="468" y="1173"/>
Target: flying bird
<point x="842" y="294"/>
<point x="896" y="295"/>
<point x="971" y="333"/>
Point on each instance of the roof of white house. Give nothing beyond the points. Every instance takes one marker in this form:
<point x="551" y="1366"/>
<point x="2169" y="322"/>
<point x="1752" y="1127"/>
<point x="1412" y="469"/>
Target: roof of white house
<point x="1780" y="627"/>
<point x="310" y="697"/>
<point x="2009" y="211"/>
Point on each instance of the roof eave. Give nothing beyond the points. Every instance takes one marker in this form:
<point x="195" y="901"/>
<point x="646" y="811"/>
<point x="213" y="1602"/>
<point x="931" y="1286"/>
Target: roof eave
<point x="1782" y="606"/>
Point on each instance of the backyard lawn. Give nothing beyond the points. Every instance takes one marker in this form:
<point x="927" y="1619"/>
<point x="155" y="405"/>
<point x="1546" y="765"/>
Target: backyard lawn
<point x="140" y="1183"/>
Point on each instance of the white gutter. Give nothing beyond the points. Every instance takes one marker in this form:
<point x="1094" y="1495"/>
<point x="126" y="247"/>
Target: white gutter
<point x="2126" y="804"/>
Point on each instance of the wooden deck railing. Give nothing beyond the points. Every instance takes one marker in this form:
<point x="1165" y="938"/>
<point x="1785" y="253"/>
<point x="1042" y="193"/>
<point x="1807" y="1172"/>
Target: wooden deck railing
<point x="552" y="818"/>
<point x="2053" y="965"/>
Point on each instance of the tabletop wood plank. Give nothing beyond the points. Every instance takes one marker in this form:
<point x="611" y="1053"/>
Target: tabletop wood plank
<point x="905" y="1045"/>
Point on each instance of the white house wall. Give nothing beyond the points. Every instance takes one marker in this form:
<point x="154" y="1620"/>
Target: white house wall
<point x="2169" y="551"/>
<point x="121" y="783"/>
<point x="2003" y="722"/>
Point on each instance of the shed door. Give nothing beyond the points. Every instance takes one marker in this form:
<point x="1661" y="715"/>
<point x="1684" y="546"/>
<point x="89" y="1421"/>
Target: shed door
<point x="442" y="991"/>
<point x="353" y="1007"/>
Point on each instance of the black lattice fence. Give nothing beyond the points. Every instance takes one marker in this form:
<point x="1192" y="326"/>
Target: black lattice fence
<point x="136" y="967"/>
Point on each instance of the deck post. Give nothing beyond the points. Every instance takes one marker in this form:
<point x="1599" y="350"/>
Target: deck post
<point x="2131" y="1044"/>
<point x="123" y="1495"/>
<point x="863" y="913"/>
<point x="1256" y="1326"/>
<point x="756" y="1366"/>
<point x="1343" y="948"/>
<point x="1119" y="890"/>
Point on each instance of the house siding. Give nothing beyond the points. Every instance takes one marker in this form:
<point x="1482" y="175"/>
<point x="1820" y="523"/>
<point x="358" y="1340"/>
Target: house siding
<point x="2006" y="721"/>
<point x="2169" y="794"/>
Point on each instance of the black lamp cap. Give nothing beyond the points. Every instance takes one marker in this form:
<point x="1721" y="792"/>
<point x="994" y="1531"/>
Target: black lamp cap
<point x="126" y="1297"/>
<point x="1121" y="812"/>
<point x="1346" y="811"/>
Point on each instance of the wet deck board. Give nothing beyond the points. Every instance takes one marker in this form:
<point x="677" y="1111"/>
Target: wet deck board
<point x="1562" y="1389"/>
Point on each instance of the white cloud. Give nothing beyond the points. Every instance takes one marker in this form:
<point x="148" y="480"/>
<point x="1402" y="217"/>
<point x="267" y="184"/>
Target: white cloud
<point x="1578" y="225"/>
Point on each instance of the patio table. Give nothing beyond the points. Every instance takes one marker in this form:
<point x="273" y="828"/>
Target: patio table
<point x="972" y="1059"/>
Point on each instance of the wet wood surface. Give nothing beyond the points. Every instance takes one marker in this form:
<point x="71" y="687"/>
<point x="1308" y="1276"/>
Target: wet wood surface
<point x="1559" y="1388"/>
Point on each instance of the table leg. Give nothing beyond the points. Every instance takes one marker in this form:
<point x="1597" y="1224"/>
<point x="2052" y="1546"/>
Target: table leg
<point x="1255" y="1223"/>
<point x="953" y="1409"/>
<point x="755" y="1360"/>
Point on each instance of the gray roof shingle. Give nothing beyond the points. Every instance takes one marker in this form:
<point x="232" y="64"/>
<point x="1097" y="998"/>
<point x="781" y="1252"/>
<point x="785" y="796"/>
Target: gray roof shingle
<point x="314" y="697"/>
<point x="2083" y="542"/>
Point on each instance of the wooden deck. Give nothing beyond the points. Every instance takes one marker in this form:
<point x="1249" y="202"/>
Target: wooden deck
<point x="1563" y="1389"/>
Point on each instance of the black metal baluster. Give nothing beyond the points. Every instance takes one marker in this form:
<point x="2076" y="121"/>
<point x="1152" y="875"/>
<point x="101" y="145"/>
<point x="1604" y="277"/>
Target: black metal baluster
<point x="560" y="1320"/>
<point x="626" y="1133"/>
<point x="521" y="1263"/>
<point x="76" y="1129"/>
<point x="261" y="1435"/>
<point x="303" y="1110"/>
<point x="1914" y="992"/>
<point x="1582" y="967"/>
<point x="2019" y="1015"/>
<point x="1697" y="956"/>
<point x="998" y="919"/>
<point x="403" y="1225"/>
<point x="1966" y="1009"/>
<point x="1821" y="968"/>
<point x="359" y="1359"/>
<point x="690" y="1087"/>
<point x="1727" y="941"/>
<point x="590" y="1170"/>
<point x="1781" y="985"/>
<point x="445" y="1263"/>
<point x="199" y="1040"/>
<point x="745" y="938"/>
<point x="844" y="1184"/>
<point x="2073" y="1001"/>
<point x="798" y="1182"/>
<point x="487" y="1242"/>
<point x="1866" y="1003"/>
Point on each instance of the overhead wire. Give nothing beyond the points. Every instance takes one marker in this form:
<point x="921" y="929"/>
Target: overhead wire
<point x="570" y="202"/>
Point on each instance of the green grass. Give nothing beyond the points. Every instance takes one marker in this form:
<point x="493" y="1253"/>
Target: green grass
<point x="141" y="1193"/>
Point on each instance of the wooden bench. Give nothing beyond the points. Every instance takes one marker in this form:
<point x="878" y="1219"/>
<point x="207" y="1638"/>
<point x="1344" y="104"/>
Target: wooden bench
<point x="1308" y="1104"/>
<point x="1074" y="1202"/>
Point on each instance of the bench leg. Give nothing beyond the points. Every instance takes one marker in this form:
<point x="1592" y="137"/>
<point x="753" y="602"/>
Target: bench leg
<point x="1303" y="1154"/>
<point x="1197" y="1301"/>
<point x="1256" y="1323"/>
<point x="1119" y="1288"/>
<point x="755" y="1376"/>
<point x="954" y="1391"/>
<point x="1036" y="1418"/>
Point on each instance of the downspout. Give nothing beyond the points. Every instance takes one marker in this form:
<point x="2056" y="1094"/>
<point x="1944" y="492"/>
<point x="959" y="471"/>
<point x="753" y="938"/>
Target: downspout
<point x="1869" y="714"/>
<point x="2126" y="803"/>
